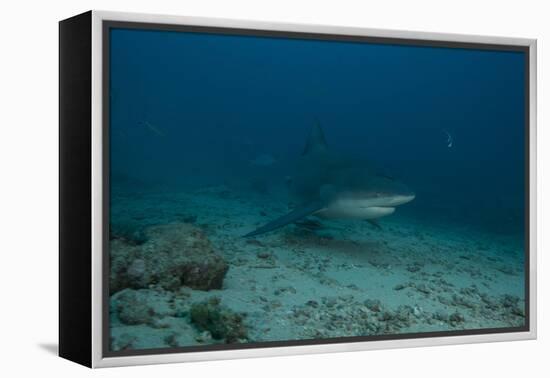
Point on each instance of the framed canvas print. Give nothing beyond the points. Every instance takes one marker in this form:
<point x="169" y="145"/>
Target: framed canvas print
<point x="237" y="189"/>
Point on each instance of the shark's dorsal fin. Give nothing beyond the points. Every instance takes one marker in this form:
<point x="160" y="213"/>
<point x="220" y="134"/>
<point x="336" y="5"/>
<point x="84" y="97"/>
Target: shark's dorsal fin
<point x="316" y="142"/>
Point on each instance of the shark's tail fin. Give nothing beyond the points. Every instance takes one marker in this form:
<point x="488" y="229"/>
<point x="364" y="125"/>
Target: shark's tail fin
<point x="316" y="142"/>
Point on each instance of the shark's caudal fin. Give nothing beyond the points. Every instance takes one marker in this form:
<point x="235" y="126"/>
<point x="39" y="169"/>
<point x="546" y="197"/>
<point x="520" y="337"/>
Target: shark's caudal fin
<point x="291" y="217"/>
<point x="316" y="142"/>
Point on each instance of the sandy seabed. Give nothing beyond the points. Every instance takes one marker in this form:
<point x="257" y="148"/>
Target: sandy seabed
<point x="308" y="281"/>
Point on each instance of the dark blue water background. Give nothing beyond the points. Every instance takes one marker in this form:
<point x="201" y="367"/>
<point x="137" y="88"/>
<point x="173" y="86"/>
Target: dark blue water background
<point x="193" y="109"/>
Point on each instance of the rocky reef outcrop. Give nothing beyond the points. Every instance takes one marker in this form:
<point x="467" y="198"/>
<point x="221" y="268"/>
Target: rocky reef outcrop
<point x="172" y="256"/>
<point x="220" y="321"/>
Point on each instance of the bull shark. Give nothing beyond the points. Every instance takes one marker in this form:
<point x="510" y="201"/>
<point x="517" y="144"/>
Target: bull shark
<point x="330" y="186"/>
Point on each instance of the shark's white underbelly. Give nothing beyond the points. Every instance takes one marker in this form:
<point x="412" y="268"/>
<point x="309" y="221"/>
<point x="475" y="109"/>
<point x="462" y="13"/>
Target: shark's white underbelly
<point x="342" y="210"/>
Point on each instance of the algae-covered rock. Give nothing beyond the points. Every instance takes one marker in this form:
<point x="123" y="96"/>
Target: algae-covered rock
<point x="133" y="309"/>
<point x="131" y="232"/>
<point x="123" y="342"/>
<point x="174" y="255"/>
<point x="181" y="254"/>
<point x="221" y="322"/>
<point x="123" y="272"/>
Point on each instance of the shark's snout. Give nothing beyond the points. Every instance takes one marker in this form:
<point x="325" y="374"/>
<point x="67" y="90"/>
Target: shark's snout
<point x="402" y="199"/>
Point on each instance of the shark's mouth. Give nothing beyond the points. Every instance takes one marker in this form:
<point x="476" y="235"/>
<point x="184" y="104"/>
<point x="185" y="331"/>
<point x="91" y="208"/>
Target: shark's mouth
<point x="355" y="212"/>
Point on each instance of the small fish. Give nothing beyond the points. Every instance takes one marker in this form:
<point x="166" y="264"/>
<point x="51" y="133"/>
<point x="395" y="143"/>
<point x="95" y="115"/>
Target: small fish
<point x="449" y="138"/>
<point x="154" y="129"/>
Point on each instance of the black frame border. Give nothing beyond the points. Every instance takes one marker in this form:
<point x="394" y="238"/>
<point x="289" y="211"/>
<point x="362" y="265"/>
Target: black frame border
<point x="107" y="25"/>
<point x="75" y="189"/>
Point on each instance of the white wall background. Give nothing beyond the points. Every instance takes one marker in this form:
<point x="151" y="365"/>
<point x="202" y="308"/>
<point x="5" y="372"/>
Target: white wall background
<point x="28" y="188"/>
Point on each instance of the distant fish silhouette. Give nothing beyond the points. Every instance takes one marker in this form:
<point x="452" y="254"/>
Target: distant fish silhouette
<point x="449" y="138"/>
<point x="153" y="128"/>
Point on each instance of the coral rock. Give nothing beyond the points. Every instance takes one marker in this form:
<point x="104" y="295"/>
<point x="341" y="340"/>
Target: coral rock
<point x="174" y="255"/>
<point x="133" y="309"/>
<point x="221" y="322"/>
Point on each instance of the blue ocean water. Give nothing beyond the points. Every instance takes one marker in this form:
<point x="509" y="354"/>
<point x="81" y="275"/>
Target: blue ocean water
<point x="190" y="111"/>
<point x="218" y="101"/>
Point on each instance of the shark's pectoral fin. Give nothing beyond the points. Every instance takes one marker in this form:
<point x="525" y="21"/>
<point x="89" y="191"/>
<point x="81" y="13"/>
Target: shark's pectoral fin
<point x="291" y="217"/>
